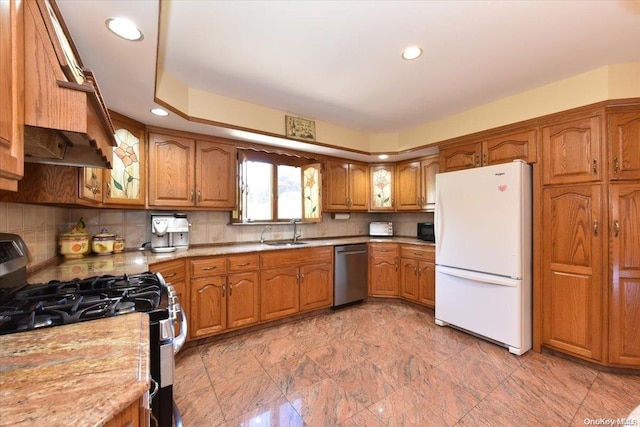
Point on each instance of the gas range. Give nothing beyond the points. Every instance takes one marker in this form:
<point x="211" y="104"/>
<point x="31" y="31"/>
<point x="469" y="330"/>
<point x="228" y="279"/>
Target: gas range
<point x="60" y="303"/>
<point x="27" y="307"/>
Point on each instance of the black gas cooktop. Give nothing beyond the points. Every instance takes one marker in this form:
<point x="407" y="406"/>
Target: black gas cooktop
<point x="60" y="303"/>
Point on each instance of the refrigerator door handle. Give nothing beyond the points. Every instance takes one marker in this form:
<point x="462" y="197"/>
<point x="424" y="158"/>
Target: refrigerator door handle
<point x="479" y="277"/>
<point x="439" y="220"/>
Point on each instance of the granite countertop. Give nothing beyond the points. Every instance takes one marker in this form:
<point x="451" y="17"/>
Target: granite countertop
<point x="139" y="261"/>
<point x="81" y="374"/>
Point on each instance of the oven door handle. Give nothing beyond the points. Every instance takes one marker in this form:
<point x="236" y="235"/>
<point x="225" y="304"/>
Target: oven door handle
<point x="179" y="341"/>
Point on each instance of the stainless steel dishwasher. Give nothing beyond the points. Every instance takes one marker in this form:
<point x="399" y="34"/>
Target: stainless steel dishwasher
<point x="351" y="274"/>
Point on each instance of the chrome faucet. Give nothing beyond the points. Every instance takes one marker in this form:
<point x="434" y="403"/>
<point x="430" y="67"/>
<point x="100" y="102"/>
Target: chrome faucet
<point x="295" y="230"/>
<point x="267" y="227"/>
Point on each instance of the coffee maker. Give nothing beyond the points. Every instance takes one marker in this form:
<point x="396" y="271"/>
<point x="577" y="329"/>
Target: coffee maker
<point x="169" y="232"/>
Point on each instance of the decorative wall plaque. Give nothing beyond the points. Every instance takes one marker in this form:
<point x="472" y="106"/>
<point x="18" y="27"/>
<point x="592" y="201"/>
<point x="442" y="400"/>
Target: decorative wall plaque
<point x="299" y="128"/>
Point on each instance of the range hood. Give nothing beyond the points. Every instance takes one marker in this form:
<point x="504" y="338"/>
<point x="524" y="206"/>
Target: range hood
<point x="66" y="119"/>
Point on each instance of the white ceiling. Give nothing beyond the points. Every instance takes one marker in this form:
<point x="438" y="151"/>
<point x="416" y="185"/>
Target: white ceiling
<point x="339" y="61"/>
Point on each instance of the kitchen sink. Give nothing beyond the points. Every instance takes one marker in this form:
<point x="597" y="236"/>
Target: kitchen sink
<point x="286" y="243"/>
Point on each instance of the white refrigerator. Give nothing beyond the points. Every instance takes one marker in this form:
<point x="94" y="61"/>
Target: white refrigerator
<point x="483" y="253"/>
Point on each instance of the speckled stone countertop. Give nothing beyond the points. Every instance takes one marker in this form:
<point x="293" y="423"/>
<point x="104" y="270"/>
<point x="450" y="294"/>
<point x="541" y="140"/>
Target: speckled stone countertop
<point x="74" y="375"/>
<point x="139" y="261"/>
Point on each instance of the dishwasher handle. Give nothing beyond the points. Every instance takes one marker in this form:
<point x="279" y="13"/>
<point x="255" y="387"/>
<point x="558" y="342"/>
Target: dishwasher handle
<point x="351" y="252"/>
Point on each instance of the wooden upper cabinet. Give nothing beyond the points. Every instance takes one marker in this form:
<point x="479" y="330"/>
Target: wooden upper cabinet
<point x="460" y="157"/>
<point x="90" y="184"/>
<point x="171" y="171"/>
<point x="126" y="182"/>
<point x="347" y="186"/>
<point x="571" y="151"/>
<point x="624" y="294"/>
<point x="624" y="143"/>
<point x="429" y="167"/>
<point x="382" y="180"/>
<point x="12" y="90"/>
<point x="510" y="147"/>
<point x="185" y="172"/>
<point x="408" y="187"/>
<point x="416" y="184"/>
<point x="573" y="225"/>
<point x="215" y="172"/>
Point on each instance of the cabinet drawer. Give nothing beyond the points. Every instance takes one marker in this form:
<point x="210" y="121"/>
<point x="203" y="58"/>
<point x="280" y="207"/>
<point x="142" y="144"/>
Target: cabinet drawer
<point x="296" y="257"/>
<point x="172" y="271"/>
<point x="418" y="252"/>
<point x="383" y="249"/>
<point x="243" y="262"/>
<point x="208" y="266"/>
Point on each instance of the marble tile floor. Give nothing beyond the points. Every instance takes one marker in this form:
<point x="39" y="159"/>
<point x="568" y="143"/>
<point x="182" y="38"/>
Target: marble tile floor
<point x="387" y="364"/>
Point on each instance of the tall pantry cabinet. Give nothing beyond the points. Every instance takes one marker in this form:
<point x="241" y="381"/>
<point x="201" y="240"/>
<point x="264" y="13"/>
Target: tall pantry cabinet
<point x="590" y="246"/>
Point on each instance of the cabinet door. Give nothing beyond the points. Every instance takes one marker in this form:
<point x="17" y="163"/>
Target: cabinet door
<point x="12" y="99"/>
<point x="571" y="152"/>
<point x="316" y="286"/>
<point x="408" y="189"/>
<point x="429" y="167"/>
<point x="409" y="286"/>
<point x="358" y="187"/>
<point x="208" y="306"/>
<point x="279" y="292"/>
<point x="382" y="181"/>
<point x="242" y="300"/>
<point x="624" y="297"/>
<point x="460" y="157"/>
<point x="126" y="182"/>
<point x="171" y="171"/>
<point x="90" y="184"/>
<point x="510" y="147"/>
<point x="624" y="140"/>
<point x="572" y="227"/>
<point x="337" y="181"/>
<point x="215" y="175"/>
<point x="383" y="276"/>
<point x="427" y="291"/>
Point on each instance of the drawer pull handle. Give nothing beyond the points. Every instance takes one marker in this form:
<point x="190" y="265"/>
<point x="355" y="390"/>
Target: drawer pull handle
<point x="169" y="276"/>
<point x="616" y="228"/>
<point x="616" y="164"/>
<point x="224" y="289"/>
<point x="209" y="268"/>
<point x="244" y="264"/>
<point x="230" y="289"/>
<point x="595" y="166"/>
<point x="595" y="228"/>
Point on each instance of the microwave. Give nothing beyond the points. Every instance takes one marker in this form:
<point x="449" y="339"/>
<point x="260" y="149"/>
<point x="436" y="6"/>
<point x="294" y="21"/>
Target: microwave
<point x="426" y="232"/>
<point x="380" y="228"/>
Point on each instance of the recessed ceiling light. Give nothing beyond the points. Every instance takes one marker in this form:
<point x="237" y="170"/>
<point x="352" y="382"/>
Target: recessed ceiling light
<point x="383" y="156"/>
<point x="159" y="112"/>
<point x="412" y="52"/>
<point x="122" y="27"/>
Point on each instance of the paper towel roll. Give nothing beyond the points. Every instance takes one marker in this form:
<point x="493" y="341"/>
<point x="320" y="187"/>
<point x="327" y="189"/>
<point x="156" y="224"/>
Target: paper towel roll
<point x="341" y="216"/>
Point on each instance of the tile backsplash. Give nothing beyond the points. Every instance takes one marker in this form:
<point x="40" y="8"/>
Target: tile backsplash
<point x="39" y="226"/>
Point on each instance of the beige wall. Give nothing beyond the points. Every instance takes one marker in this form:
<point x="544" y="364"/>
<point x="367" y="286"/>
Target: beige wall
<point x="39" y="226"/>
<point x="607" y="82"/>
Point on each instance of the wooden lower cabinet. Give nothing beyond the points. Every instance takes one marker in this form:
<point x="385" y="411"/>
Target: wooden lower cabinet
<point x="174" y="273"/>
<point x="223" y="295"/>
<point x="314" y="292"/>
<point x="573" y="224"/>
<point x="208" y="306"/>
<point x="242" y="299"/>
<point x="279" y="292"/>
<point x="383" y="269"/>
<point x="134" y="415"/>
<point x="295" y="280"/>
<point x="624" y="293"/>
<point x="417" y="274"/>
